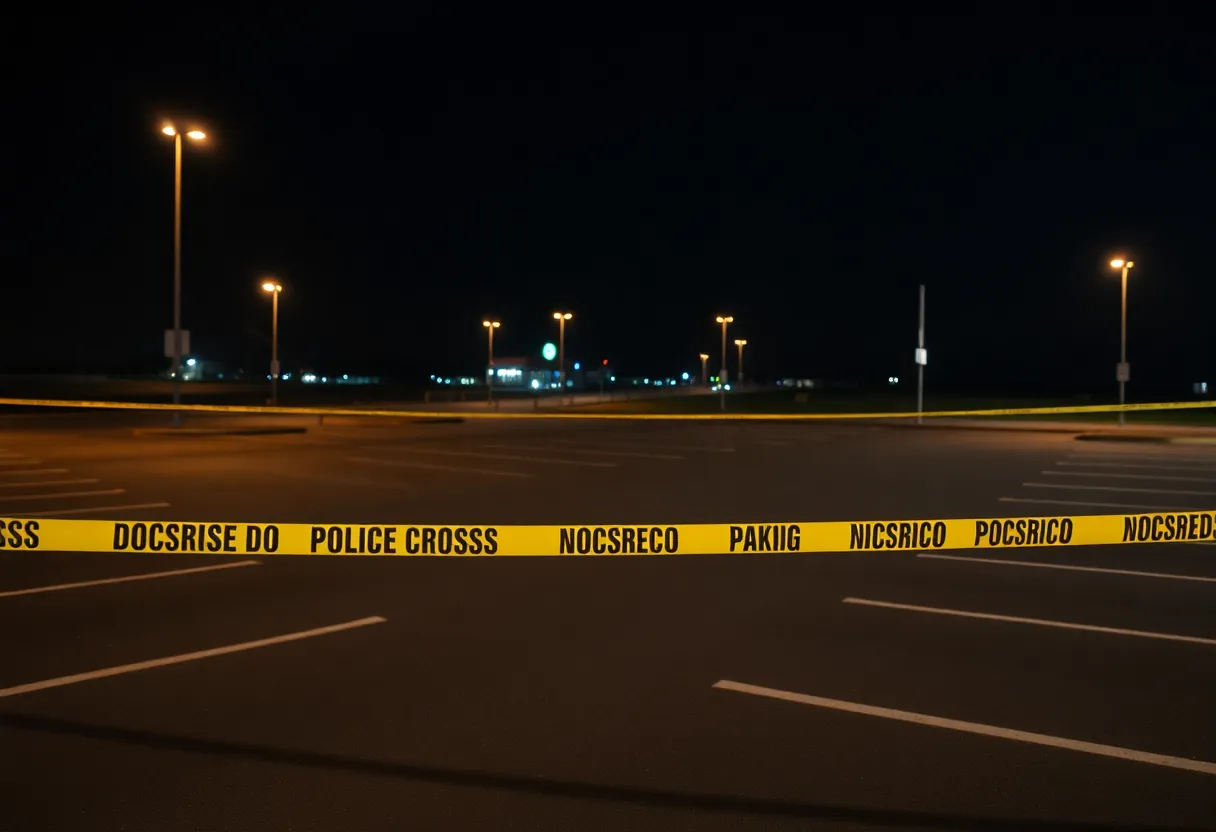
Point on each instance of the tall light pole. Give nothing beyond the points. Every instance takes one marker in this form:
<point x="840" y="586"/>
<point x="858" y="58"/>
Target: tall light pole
<point x="490" y="327"/>
<point x="740" y="343"/>
<point x="561" y="318"/>
<point x="729" y="319"/>
<point x="704" y="367"/>
<point x="1123" y="371"/>
<point x="274" y="289"/>
<point x="197" y="136"/>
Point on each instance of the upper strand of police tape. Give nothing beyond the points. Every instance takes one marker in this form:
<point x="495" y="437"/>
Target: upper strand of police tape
<point x="31" y="535"/>
<point x="567" y="414"/>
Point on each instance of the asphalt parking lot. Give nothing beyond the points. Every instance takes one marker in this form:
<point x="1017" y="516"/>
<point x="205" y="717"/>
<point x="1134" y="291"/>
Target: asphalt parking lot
<point x="1019" y="689"/>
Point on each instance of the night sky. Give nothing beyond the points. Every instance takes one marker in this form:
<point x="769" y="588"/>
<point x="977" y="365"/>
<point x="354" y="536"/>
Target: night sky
<point x="406" y="174"/>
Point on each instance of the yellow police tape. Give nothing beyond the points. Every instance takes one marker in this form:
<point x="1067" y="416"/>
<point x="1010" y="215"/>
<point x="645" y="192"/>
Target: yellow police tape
<point x="701" y="539"/>
<point x="565" y="414"/>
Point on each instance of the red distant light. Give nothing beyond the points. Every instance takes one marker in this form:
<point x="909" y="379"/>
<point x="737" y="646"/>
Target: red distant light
<point x="605" y="362"/>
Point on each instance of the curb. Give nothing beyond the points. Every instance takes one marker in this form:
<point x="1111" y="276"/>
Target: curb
<point x="215" y="431"/>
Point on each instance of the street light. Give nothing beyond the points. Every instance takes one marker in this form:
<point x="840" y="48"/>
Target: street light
<point x="490" y="327"/>
<point x="561" y="318"/>
<point x="740" y="344"/>
<point x="1122" y="372"/>
<point x="729" y="319"/>
<point x="704" y="367"/>
<point x="193" y="135"/>
<point x="274" y="290"/>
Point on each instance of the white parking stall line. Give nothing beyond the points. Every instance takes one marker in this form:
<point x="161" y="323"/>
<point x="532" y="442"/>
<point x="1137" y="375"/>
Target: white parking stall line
<point x="1068" y="567"/>
<point x="1178" y="457"/>
<point x="429" y="466"/>
<point x="1095" y="505"/>
<point x="1106" y="475"/>
<point x="20" y="461"/>
<point x="186" y="657"/>
<point x="91" y="510"/>
<point x="38" y="590"/>
<point x="713" y="449"/>
<point x="44" y="483"/>
<point x="1151" y="466"/>
<point x="1117" y="752"/>
<point x="1071" y="487"/>
<point x="507" y="457"/>
<point x="1040" y="622"/>
<point x="13" y="498"/>
<point x="544" y="449"/>
<point x="31" y="471"/>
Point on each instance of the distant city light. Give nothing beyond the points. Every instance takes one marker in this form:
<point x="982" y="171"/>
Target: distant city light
<point x="612" y="378"/>
<point x="535" y="384"/>
<point x="577" y="365"/>
<point x="548" y="352"/>
<point x="345" y="377"/>
<point x="892" y="379"/>
<point x="190" y="362"/>
<point x="684" y="376"/>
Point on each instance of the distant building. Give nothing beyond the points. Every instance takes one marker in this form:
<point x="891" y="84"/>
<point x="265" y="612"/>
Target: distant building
<point x="529" y="374"/>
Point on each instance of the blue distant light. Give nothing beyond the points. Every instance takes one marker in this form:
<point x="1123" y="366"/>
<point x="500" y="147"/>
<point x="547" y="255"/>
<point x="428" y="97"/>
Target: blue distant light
<point x="684" y="376"/>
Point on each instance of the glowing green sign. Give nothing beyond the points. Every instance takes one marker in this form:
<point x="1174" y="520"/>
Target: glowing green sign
<point x="549" y="352"/>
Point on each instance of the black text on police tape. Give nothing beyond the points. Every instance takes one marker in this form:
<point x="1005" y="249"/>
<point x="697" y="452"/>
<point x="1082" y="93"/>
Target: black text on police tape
<point x="412" y="540"/>
<point x="1166" y="527"/>
<point x="18" y="534"/>
<point x="209" y="538"/>
<point x="1025" y="531"/>
<point x="619" y="540"/>
<point x="925" y="534"/>
<point x="779" y="537"/>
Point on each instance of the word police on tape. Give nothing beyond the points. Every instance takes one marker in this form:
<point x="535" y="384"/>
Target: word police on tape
<point x="43" y="534"/>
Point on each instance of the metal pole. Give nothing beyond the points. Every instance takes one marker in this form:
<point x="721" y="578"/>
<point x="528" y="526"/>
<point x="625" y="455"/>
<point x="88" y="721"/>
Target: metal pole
<point x="274" y="351"/>
<point x="722" y="377"/>
<point x="739" y="379"/>
<point x="561" y="355"/>
<point x="177" y="276"/>
<point x="490" y="379"/>
<point x="920" y="368"/>
<point x="1123" y="343"/>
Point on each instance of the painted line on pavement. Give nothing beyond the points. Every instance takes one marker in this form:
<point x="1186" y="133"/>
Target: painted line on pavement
<point x="1152" y="466"/>
<point x="15" y="498"/>
<point x="1070" y="487"/>
<point x="544" y="449"/>
<point x="1099" y="749"/>
<point x="1166" y="477"/>
<point x="508" y="457"/>
<point x="42" y="483"/>
<point x="430" y="466"/>
<point x="1096" y="505"/>
<point x="12" y="593"/>
<point x="1041" y="622"/>
<point x="1180" y="456"/>
<point x="90" y="510"/>
<point x="186" y="657"/>
<point x="1071" y="568"/>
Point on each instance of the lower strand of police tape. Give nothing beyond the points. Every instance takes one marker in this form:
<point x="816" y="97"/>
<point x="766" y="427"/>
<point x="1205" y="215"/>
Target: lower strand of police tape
<point x="162" y="537"/>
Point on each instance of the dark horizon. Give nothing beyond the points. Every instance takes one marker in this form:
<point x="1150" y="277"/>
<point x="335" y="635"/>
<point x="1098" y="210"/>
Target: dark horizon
<point x="406" y="177"/>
